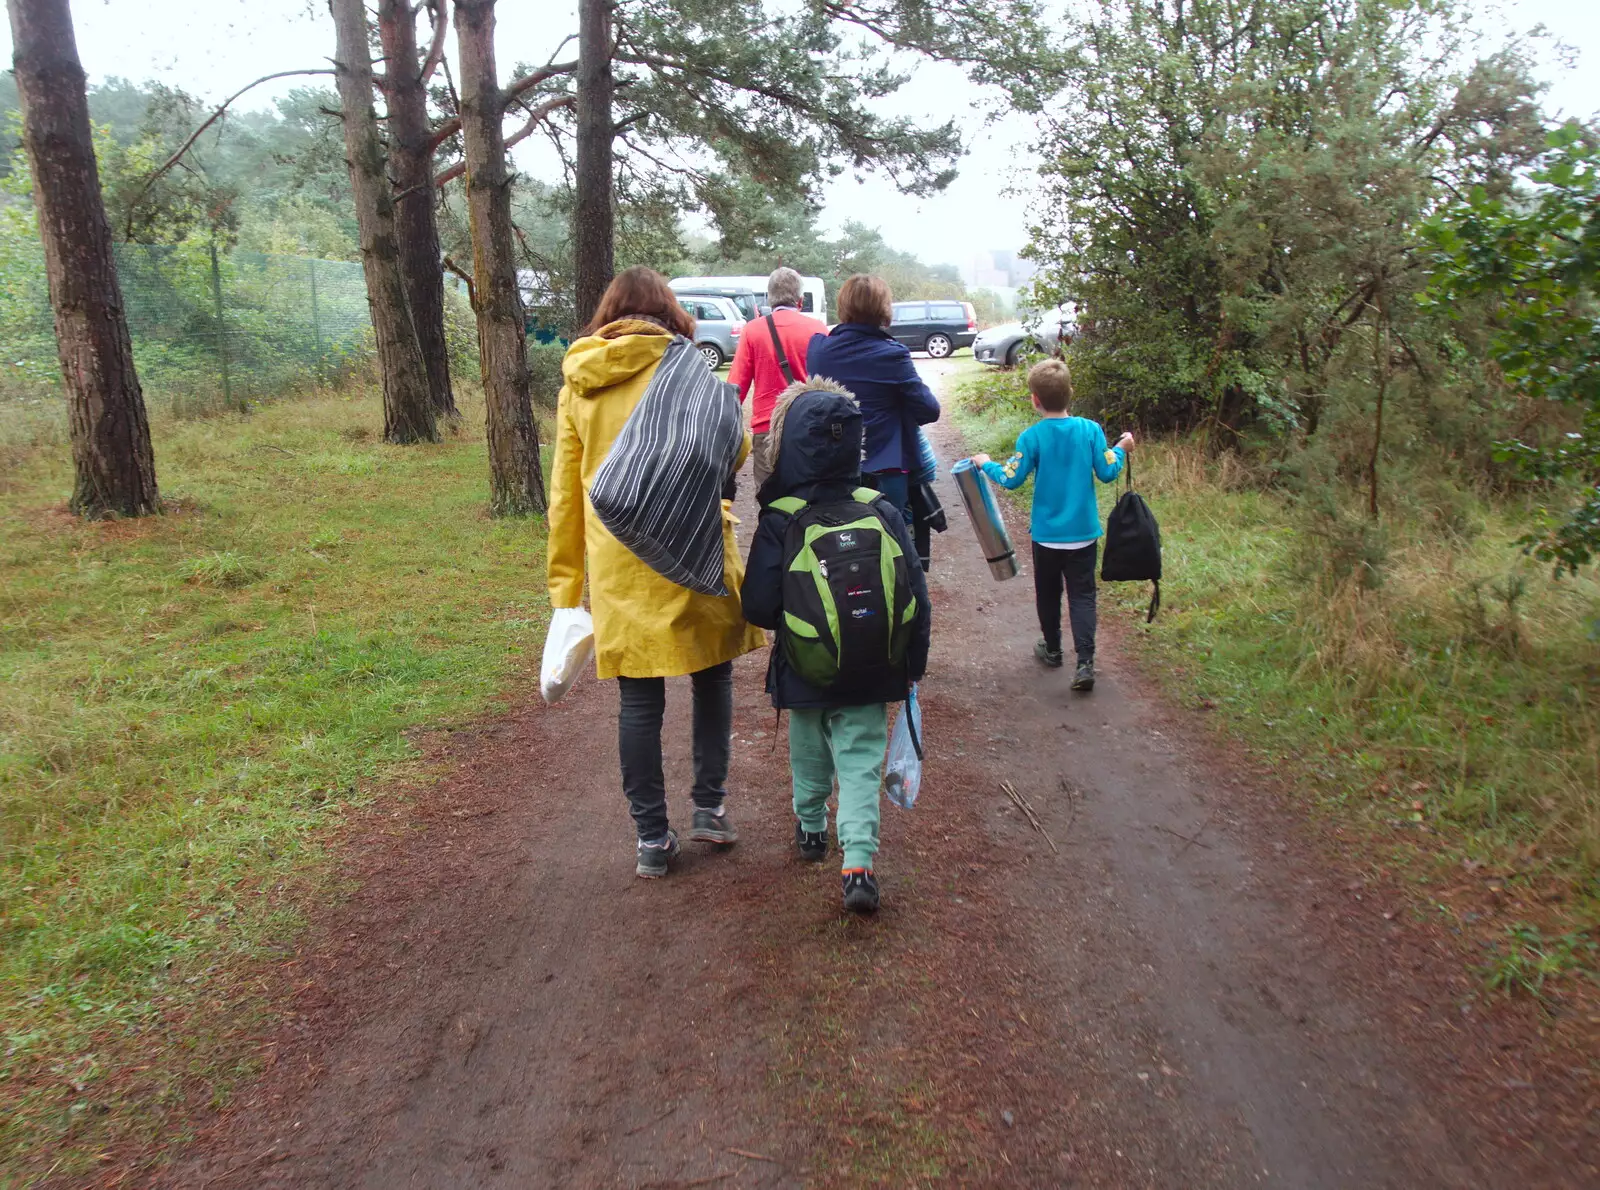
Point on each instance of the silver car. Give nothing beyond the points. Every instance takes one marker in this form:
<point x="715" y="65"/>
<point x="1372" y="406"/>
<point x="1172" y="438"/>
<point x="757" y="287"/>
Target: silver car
<point x="717" y="326"/>
<point x="1006" y="344"/>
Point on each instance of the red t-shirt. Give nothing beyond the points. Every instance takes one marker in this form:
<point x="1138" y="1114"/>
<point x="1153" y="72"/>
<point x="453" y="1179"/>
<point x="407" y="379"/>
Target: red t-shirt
<point x="755" y="364"/>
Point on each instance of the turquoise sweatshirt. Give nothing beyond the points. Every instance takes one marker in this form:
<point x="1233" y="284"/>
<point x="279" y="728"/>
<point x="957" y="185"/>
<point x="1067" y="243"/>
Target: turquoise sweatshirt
<point x="1067" y="453"/>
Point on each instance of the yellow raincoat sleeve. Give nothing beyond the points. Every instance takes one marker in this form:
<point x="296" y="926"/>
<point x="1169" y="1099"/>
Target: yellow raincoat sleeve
<point x="566" y="545"/>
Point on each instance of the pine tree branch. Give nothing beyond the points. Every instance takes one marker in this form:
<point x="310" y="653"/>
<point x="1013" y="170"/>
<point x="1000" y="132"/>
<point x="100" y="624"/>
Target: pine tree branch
<point x="194" y="136"/>
<point x="519" y="87"/>
<point x="536" y="116"/>
<point x="439" y="12"/>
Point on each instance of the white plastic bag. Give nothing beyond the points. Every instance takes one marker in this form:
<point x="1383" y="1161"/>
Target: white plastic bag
<point x="902" y="777"/>
<point x="567" y="649"/>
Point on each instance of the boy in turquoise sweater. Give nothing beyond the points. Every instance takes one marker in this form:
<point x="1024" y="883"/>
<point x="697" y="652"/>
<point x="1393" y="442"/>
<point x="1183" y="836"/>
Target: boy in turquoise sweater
<point x="1066" y="455"/>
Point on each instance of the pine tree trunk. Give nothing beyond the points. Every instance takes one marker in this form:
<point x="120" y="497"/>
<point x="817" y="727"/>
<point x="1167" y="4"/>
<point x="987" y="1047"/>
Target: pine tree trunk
<point x="411" y="166"/>
<point x="408" y="414"/>
<point x="113" y="462"/>
<point x="516" y="481"/>
<point x="593" y="217"/>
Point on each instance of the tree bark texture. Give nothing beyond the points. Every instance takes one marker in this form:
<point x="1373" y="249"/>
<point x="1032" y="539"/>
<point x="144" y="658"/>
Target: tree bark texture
<point x="1380" y="366"/>
<point x="113" y="462"/>
<point x="593" y="216"/>
<point x="516" y="480"/>
<point x="411" y="167"/>
<point x="408" y="412"/>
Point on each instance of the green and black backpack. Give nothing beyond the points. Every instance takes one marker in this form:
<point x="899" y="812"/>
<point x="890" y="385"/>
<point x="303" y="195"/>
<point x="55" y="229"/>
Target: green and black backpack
<point x="847" y="602"/>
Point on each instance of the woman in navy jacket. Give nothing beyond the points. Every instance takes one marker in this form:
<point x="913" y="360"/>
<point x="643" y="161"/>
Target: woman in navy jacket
<point x="862" y="356"/>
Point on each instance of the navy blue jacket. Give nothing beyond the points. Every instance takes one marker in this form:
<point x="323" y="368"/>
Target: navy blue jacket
<point x="878" y="371"/>
<point x="815" y="465"/>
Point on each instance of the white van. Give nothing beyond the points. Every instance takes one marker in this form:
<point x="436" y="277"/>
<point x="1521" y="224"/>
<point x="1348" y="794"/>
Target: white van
<point x="813" y="295"/>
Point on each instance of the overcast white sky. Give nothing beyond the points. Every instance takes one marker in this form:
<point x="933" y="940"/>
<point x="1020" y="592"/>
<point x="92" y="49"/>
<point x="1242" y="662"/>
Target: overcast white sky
<point x="212" y="47"/>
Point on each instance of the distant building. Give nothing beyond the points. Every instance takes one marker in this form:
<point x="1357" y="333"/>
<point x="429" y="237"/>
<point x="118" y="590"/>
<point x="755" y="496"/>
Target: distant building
<point x="999" y="268"/>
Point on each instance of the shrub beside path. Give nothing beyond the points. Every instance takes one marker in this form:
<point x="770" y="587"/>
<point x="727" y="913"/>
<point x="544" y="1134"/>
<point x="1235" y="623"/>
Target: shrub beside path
<point x="1194" y="991"/>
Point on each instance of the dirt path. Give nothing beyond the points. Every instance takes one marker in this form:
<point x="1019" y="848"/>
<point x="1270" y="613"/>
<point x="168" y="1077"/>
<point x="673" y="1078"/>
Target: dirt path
<point x="1184" y="996"/>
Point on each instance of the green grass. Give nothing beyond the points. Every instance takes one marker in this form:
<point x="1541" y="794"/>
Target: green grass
<point x="1457" y="700"/>
<point x="188" y="705"/>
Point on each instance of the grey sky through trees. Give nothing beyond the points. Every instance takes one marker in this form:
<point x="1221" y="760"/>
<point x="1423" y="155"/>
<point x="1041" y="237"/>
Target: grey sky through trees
<point x="211" y="47"/>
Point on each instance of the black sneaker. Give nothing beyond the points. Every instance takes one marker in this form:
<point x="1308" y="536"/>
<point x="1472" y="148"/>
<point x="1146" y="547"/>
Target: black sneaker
<point x="813" y="845"/>
<point x="1083" y="679"/>
<point x="653" y="857"/>
<point x="860" y="891"/>
<point x="708" y="826"/>
<point x="1043" y="653"/>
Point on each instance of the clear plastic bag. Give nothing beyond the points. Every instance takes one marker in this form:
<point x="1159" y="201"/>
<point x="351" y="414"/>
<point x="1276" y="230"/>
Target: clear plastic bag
<point x="568" y="647"/>
<point x="902" y="775"/>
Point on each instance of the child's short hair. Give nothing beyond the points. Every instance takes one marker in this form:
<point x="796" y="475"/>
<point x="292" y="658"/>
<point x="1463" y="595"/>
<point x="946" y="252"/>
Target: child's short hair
<point x="1051" y="383"/>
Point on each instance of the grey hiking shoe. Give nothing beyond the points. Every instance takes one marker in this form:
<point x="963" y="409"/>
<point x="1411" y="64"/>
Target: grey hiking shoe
<point x="812" y="845"/>
<point x="1083" y="679"/>
<point x="860" y="891"/>
<point x="713" y="826"/>
<point x="655" y="855"/>
<point x="1043" y="653"/>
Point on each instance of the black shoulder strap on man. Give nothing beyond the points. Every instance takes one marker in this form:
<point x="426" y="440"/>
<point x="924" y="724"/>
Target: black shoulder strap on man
<point x="777" y="347"/>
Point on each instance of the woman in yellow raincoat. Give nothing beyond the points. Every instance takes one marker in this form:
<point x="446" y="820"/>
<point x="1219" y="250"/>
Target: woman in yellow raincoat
<point x="646" y="627"/>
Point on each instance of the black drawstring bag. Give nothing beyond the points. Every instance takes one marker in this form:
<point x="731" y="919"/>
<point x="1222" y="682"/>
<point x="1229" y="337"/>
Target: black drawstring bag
<point x="1133" y="544"/>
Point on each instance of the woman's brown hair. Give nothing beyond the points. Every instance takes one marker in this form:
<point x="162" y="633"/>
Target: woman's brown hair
<point x="865" y="298"/>
<point x="641" y="292"/>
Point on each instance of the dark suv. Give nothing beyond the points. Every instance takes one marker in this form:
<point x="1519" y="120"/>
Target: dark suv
<point x="935" y="327"/>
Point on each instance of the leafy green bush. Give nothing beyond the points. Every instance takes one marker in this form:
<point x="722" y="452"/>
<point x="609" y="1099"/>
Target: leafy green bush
<point x="461" y="334"/>
<point x="1537" y="256"/>
<point x="544" y="369"/>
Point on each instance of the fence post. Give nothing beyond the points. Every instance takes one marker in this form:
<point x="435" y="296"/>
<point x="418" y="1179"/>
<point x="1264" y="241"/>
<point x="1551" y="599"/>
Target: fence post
<point x="316" y="322"/>
<point x="222" y="332"/>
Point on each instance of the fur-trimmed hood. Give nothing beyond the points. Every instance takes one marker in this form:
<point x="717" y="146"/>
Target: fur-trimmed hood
<point x="814" y="439"/>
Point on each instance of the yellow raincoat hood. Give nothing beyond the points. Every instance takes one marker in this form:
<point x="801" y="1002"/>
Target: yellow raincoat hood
<point x="618" y="351"/>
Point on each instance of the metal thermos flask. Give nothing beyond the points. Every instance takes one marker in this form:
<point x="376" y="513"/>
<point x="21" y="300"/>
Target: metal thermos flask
<point x="984" y="514"/>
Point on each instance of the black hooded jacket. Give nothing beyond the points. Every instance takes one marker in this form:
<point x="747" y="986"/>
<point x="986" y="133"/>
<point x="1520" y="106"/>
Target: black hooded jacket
<point x="816" y="443"/>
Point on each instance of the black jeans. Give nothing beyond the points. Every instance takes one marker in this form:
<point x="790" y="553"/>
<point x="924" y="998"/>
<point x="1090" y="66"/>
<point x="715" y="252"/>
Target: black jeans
<point x="644" y="701"/>
<point x="1075" y="569"/>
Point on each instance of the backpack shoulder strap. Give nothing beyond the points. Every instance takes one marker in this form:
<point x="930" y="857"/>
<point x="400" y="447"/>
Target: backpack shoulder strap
<point x="777" y="347"/>
<point x="792" y="505"/>
<point x="866" y="495"/>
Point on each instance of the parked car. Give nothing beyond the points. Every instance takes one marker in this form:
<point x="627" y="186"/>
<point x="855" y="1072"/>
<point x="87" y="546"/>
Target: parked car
<point x="750" y="304"/>
<point x="717" y="326"/>
<point x="1006" y="344"/>
<point x="813" y="294"/>
<point x="935" y="327"/>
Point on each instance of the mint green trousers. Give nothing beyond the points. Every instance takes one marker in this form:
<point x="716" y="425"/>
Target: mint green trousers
<point x="848" y="743"/>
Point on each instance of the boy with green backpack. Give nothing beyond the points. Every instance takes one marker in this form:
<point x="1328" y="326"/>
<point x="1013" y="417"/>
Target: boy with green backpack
<point x="833" y="569"/>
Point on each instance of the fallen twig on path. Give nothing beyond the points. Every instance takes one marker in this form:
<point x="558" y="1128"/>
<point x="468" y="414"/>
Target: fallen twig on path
<point x="1028" y="812"/>
<point x="651" y="1123"/>
<point x="749" y="1154"/>
<point x="1187" y="841"/>
<point x="1073" y="797"/>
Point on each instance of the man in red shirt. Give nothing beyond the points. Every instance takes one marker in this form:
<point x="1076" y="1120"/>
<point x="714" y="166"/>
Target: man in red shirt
<point x="756" y="361"/>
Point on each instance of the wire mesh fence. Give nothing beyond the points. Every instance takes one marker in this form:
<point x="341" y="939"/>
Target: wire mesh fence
<point x="212" y="330"/>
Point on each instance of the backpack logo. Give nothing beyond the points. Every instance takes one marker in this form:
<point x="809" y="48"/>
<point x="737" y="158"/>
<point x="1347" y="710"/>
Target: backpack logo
<point x="847" y="540"/>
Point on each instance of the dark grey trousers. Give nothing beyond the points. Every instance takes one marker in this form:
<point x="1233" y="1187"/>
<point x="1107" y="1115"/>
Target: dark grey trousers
<point x="1074" y="569"/>
<point x="644" y="702"/>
